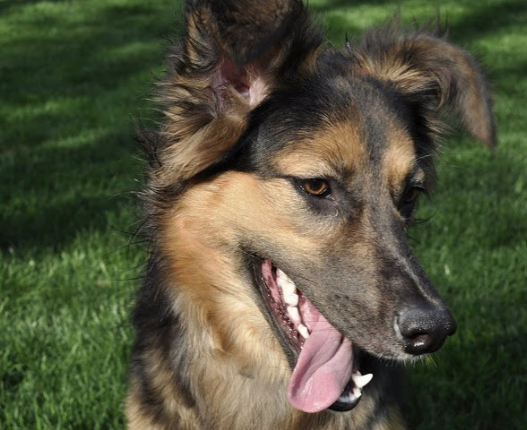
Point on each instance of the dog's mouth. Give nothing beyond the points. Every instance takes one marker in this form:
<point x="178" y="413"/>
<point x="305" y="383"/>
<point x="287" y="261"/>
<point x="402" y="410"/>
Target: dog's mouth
<point x="325" y="375"/>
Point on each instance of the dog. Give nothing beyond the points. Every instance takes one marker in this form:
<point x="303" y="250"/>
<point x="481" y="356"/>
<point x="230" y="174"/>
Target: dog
<point x="281" y="292"/>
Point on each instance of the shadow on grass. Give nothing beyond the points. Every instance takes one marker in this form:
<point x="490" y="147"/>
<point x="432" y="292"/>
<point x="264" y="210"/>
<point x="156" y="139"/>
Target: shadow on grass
<point x="7" y="4"/>
<point x="479" y="21"/>
<point x="67" y="191"/>
<point x="328" y="5"/>
<point x="485" y="20"/>
<point x="71" y="86"/>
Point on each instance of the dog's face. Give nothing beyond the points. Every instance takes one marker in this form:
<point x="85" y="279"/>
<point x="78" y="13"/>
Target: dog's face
<point x="295" y="186"/>
<point x="343" y="189"/>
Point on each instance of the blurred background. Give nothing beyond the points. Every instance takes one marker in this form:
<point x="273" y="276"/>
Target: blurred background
<point x="75" y="78"/>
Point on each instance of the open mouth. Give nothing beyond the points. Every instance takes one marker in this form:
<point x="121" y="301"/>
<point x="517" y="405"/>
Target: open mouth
<point x="325" y="375"/>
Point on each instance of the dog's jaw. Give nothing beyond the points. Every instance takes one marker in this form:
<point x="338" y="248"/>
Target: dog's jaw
<point x="325" y="374"/>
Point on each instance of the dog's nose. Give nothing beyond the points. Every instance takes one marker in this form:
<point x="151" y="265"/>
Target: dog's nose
<point x="425" y="329"/>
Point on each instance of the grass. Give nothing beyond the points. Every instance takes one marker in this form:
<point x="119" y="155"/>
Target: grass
<point x="73" y="76"/>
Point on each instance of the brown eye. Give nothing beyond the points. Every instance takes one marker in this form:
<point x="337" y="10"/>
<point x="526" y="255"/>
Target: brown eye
<point x="411" y="195"/>
<point x="409" y="199"/>
<point x="316" y="187"/>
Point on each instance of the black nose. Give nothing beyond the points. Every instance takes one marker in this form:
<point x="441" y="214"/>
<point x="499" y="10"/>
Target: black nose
<point x="425" y="329"/>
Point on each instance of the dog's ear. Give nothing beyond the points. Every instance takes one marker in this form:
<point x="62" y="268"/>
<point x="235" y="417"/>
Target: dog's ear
<point x="432" y="75"/>
<point x="224" y="66"/>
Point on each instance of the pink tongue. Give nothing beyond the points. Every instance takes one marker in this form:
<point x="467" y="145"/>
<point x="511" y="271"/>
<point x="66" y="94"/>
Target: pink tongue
<point x="323" y="368"/>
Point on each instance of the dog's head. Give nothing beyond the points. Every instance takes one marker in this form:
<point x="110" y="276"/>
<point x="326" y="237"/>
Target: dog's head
<point x="283" y="182"/>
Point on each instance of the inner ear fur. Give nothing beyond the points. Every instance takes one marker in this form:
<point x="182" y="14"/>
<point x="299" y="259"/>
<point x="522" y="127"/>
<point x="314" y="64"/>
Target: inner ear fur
<point x="432" y="73"/>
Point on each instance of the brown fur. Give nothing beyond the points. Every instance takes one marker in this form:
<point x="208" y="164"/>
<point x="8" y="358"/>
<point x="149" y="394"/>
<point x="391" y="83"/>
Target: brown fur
<point x="255" y="104"/>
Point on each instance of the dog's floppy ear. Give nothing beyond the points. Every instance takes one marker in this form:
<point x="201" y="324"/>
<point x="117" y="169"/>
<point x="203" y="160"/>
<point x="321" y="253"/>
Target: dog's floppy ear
<point x="224" y="66"/>
<point x="432" y="74"/>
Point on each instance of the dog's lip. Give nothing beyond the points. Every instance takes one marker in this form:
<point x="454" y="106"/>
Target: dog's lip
<point x="294" y="341"/>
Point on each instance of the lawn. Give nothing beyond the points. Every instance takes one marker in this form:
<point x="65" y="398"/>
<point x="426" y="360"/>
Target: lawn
<point x="74" y="79"/>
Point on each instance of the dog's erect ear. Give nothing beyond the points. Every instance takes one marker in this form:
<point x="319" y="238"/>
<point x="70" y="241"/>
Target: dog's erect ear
<point x="433" y="74"/>
<point x="225" y="65"/>
<point x="237" y="42"/>
<point x="241" y="30"/>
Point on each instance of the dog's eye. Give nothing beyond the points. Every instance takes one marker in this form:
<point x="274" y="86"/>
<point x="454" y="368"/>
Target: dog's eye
<point x="411" y="195"/>
<point x="316" y="187"/>
<point x="408" y="200"/>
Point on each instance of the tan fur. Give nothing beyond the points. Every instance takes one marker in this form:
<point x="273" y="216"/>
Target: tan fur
<point x="238" y="356"/>
<point x="336" y="146"/>
<point x="399" y="159"/>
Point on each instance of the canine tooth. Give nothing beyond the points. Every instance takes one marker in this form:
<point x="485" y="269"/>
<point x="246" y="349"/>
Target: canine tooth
<point x="302" y="329"/>
<point x="294" y="314"/>
<point x="284" y="282"/>
<point x="361" y="380"/>
<point x="357" y="392"/>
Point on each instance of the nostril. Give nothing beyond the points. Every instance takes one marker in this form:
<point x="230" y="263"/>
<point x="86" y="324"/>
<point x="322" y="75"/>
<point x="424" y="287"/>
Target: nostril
<point x="424" y="330"/>
<point x="420" y="344"/>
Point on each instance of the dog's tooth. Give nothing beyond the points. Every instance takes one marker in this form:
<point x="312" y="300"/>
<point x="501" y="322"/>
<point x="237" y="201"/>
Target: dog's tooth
<point x="288" y="287"/>
<point x="294" y="314"/>
<point x="302" y="329"/>
<point x="361" y="380"/>
<point x="284" y="282"/>
<point x="291" y="299"/>
<point x="357" y="392"/>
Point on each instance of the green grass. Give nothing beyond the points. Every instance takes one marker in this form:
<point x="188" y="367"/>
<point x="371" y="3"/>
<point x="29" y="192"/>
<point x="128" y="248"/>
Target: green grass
<point x="73" y="76"/>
